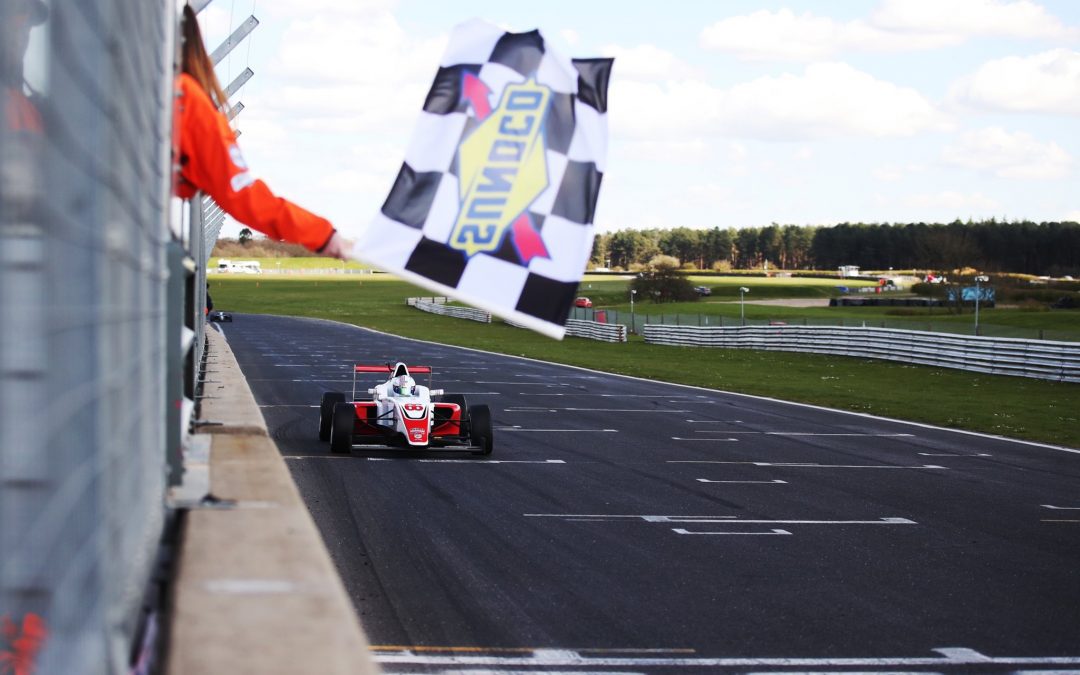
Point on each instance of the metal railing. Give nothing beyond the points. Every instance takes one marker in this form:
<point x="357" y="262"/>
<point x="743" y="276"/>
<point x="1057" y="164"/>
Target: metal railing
<point x="1000" y="356"/>
<point x="593" y="330"/>
<point x="651" y="314"/>
<point x="451" y="310"/>
<point x="84" y="239"/>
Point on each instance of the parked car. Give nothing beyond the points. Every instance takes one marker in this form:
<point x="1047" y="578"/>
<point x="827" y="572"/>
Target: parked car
<point x="583" y="302"/>
<point x="702" y="290"/>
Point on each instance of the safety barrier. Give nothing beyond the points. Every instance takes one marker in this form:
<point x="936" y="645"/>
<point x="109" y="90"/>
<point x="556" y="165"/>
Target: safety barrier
<point x="999" y="356"/>
<point x="433" y="306"/>
<point x="594" y="330"/>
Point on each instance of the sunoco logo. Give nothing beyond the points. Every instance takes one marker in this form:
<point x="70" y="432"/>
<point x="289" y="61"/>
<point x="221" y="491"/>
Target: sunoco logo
<point x="502" y="170"/>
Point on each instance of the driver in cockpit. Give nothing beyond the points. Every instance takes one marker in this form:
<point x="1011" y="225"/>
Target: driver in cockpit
<point x="403" y="386"/>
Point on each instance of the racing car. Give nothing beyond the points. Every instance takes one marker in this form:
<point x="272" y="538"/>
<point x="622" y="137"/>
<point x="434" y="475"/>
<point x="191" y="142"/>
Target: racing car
<point x="401" y="413"/>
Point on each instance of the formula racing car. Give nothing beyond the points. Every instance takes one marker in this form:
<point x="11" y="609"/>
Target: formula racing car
<point x="401" y="413"/>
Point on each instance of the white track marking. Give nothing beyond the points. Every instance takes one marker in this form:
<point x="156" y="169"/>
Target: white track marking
<point x="718" y="520"/>
<point x="1061" y="508"/>
<point x="289" y="405"/>
<point x="805" y="465"/>
<point x="621" y="410"/>
<point x="702" y="440"/>
<point x="951" y="657"/>
<point x="679" y="530"/>
<point x="748" y="482"/>
<point x="810" y="433"/>
<point x="947" y="454"/>
<point x="528" y="384"/>
<point x="715" y="421"/>
<point x="576" y="431"/>
<point x="467" y="461"/>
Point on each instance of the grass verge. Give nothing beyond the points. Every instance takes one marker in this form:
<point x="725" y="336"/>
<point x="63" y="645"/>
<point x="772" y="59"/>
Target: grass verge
<point x="1008" y="406"/>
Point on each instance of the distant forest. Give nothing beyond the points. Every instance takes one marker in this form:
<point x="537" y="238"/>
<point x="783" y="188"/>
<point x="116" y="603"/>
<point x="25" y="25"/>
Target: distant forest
<point x="989" y="246"/>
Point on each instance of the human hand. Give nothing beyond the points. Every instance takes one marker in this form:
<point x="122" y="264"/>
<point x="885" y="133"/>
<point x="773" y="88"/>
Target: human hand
<point x="338" y="247"/>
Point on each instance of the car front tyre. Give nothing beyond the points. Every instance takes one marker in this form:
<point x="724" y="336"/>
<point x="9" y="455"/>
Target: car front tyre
<point x="326" y="412"/>
<point x="341" y="428"/>
<point x="480" y="431"/>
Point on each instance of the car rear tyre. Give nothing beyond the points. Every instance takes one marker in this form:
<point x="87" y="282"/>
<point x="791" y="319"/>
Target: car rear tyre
<point x="480" y="432"/>
<point x="341" y="428"/>
<point x="326" y="412"/>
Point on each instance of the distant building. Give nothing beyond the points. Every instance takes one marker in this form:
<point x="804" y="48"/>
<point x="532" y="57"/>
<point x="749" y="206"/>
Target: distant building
<point x="849" y="271"/>
<point x="239" y="266"/>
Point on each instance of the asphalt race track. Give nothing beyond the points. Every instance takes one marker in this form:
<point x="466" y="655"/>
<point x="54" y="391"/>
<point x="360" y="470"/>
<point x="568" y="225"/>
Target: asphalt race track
<point x="629" y="526"/>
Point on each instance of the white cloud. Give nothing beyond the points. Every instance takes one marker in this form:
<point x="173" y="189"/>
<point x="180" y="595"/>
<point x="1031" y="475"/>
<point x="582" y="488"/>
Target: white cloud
<point x="1073" y="216"/>
<point x="341" y="8"/>
<point x="1008" y="155"/>
<point x="1046" y="82"/>
<point x="350" y="181"/>
<point x="940" y="206"/>
<point x="691" y="150"/>
<point x="953" y="201"/>
<point x="785" y="36"/>
<point x="891" y="173"/>
<point x="373" y="49"/>
<point x="827" y="100"/>
<point x="896" y="25"/>
<point x="649" y="63"/>
<point x="965" y="18"/>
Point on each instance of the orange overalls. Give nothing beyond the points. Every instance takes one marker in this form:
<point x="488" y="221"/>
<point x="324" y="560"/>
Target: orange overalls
<point x="211" y="161"/>
<point x="20" y="115"/>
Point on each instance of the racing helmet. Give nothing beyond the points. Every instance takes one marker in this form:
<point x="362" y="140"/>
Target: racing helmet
<point x="404" y="386"/>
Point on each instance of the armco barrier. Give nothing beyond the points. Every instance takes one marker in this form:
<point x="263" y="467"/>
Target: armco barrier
<point x="435" y="307"/>
<point x="593" y="330"/>
<point x="1043" y="360"/>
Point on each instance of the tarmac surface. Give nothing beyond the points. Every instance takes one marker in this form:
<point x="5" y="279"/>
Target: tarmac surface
<point x="632" y="526"/>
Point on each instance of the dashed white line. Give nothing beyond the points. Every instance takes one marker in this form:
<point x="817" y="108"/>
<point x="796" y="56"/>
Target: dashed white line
<point x="679" y="530"/>
<point x="621" y="410"/>
<point x="576" y="431"/>
<point x="757" y="482"/>
<point x="950" y="657"/>
<point x="700" y="440"/>
<point x="806" y="465"/>
<point x="467" y="461"/>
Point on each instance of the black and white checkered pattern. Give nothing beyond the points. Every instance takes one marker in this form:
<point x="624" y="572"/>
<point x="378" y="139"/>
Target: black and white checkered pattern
<point x="409" y="236"/>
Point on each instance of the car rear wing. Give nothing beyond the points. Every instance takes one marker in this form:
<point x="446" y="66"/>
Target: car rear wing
<point x="389" y="368"/>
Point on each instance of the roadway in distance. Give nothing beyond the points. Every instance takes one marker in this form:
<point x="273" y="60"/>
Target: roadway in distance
<point x="632" y="526"/>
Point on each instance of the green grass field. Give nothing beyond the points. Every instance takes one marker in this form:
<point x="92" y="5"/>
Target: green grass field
<point x="1007" y="406"/>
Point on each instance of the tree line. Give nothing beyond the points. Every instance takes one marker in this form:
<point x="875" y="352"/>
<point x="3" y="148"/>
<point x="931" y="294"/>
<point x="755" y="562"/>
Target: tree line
<point x="992" y="246"/>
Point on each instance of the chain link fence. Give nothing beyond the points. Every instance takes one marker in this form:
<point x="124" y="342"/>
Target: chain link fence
<point x="90" y="336"/>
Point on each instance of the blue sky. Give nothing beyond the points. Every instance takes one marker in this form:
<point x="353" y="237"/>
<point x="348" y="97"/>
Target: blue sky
<point x="728" y="114"/>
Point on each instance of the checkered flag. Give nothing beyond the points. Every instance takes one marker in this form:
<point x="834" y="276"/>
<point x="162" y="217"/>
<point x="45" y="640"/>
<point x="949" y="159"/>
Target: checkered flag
<point x="494" y="203"/>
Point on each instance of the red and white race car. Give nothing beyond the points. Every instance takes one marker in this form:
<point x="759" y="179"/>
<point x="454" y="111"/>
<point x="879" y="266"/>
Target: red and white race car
<point x="400" y="413"/>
